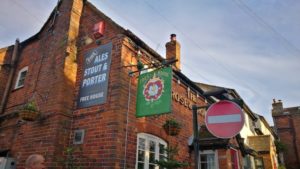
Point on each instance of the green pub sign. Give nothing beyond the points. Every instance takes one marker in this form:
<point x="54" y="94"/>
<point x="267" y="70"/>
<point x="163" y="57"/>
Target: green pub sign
<point x="154" y="94"/>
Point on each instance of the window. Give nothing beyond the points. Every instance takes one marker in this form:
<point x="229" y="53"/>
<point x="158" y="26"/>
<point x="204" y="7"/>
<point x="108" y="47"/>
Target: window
<point x="208" y="159"/>
<point x="21" y="77"/>
<point x="259" y="163"/>
<point x="251" y="124"/>
<point x="286" y="113"/>
<point x="247" y="162"/>
<point x="234" y="159"/>
<point x="149" y="149"/>
<point x="78" y="136"/>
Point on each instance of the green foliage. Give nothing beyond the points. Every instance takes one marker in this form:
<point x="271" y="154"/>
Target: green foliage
<point x="280" y="147"/>
<point x="31" y="106"/>
<point x="281" y="166"/>
<point x="172" y="123"/>
<point x="169" y="162"/>
<point x="69" y="161"/>
<point x="172" y="127"/>
<point x="171" y="151"/>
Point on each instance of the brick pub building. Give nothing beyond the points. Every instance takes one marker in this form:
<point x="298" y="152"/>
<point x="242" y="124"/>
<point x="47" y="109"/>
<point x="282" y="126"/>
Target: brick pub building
<point x="287" y="126"/>
<point x="49" y="69"/>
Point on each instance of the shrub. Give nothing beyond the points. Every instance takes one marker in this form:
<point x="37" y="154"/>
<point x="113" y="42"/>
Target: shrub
<point x="31" y="106"/>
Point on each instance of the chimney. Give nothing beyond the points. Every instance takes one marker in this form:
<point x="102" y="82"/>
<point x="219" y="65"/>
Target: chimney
<point x="277" y="107"/>
<point x="173" y="51"/>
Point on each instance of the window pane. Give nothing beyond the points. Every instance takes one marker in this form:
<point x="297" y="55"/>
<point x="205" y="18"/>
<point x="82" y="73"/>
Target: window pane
<point x="210" y="158"/>
<point x="152" y="157"/>
<point x="203" y="165"/>
<point x="247" y="162"/>
<point x="141" y="156"/>
<point x="207" y="161"/>
<point x="152" y="146"/>
<point x="211" y="165"/>
<point x="140" y="165"/>
<point x="203" y="158"/>
<point x="161" y="157"/>
<point x="142" y="144"/>
<point x="151" y="166"/>
<point x="161" y="149"/>
<point x="22" y="78"/>
<point x="149" y="149"/>
<point x="21" y="82"/>
<point x="258" y="162"/>
<point x="23" y="74"/>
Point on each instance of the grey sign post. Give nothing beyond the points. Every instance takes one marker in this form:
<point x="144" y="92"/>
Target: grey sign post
<point x="94" y="83"/>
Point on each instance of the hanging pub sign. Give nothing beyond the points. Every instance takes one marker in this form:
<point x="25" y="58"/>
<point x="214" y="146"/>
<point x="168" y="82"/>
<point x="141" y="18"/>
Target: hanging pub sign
<point x="93" y="87"/>
<point x="154" y="93"/>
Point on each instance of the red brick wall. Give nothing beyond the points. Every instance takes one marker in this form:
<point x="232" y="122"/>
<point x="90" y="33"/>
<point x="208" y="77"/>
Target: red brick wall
<point x="103" y="124"/>
<point x="56" y="94"/>
<point x="288" y="129"/>
<point x="49" y="86"/>
<point x="282" y="122"/>
<point x="224" y="159"/>
<point x="296" y="119"/>
<point x="153" y="125"/>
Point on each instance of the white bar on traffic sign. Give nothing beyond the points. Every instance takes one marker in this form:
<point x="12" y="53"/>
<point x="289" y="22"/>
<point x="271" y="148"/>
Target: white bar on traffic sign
<point x="224" y="119"/>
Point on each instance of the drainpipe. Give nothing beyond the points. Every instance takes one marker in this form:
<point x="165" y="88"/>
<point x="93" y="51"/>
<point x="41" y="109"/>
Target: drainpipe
<point x="13" y="64"/>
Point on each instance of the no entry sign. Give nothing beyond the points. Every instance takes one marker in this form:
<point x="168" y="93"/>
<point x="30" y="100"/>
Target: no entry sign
<point x="224" y="119"/>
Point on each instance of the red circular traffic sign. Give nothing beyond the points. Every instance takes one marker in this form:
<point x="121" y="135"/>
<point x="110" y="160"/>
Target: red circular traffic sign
<point x="224" y="119"/>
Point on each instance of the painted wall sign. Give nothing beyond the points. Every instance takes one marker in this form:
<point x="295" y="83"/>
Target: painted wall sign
<point x="94" y="84"/>
<point x="186" y="100"/>
<point x="182" y="100"/>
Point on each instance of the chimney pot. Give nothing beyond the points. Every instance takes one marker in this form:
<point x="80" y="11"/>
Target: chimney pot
<point x="173" y="37"/>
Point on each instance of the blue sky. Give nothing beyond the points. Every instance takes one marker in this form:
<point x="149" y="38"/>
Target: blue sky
<point x="252" y="46"/>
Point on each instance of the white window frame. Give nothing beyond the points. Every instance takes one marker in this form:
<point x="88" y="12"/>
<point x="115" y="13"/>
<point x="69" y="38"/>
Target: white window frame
<point x="207" y="152"/>
<point x="80" y="133"/>
<point x="148" y="138"/>
<point x="17" y="85"/>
